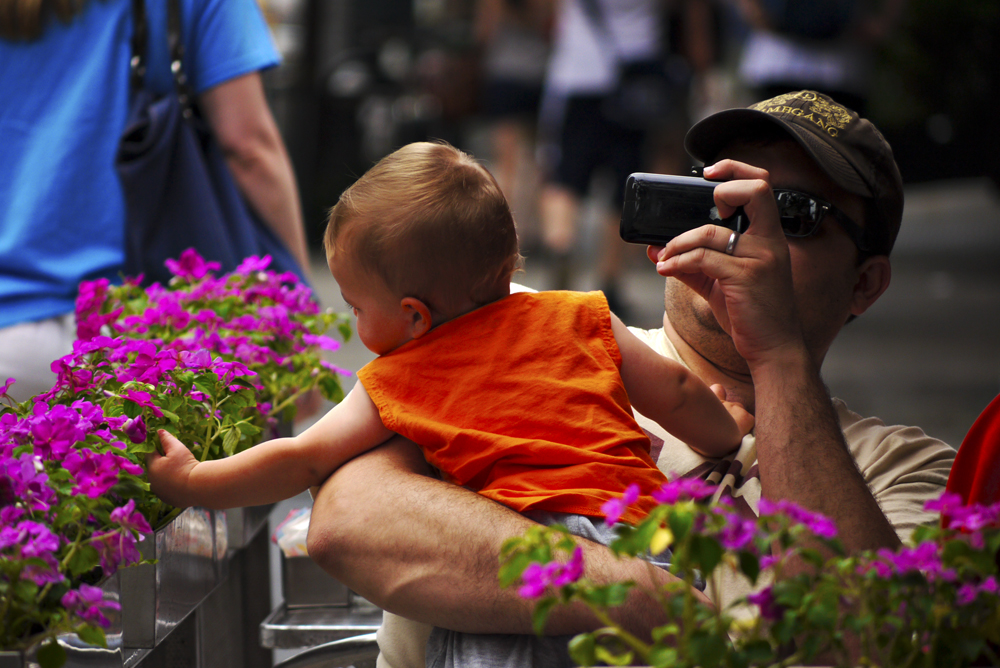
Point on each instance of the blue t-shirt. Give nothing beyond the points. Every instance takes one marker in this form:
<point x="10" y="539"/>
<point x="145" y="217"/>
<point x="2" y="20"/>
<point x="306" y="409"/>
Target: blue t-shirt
<point x="65" y="100"/>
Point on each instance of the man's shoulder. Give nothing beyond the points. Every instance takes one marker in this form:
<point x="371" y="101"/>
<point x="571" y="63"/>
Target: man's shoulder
<point x="862" y="432"/>
<point x="903" y="466"/>
<point x="657" y="340"/>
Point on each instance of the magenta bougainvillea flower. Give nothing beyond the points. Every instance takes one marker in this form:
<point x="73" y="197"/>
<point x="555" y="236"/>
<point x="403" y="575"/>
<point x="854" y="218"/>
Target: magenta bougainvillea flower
<point x="613" y="509"/>
<point x="817" y="523"/>
<point x="191" y="265"/>
<point x="89" y="603"/>
<point x="537" y="578"/>
<point x="683" y="488"/>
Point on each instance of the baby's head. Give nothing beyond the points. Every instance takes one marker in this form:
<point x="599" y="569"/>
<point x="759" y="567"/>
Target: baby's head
<point x="432" y="224"/>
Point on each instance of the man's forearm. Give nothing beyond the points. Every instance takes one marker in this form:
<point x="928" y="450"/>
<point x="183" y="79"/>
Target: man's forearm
<point x="803" y="457"/>
<point x="428" y="550"/>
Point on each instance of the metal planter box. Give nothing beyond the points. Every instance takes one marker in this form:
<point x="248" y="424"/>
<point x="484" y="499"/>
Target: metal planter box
<point x="155" y="598"/>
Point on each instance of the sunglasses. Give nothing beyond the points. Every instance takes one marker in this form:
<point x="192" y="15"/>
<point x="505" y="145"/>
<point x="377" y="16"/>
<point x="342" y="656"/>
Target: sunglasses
<point x="802" y="214"/>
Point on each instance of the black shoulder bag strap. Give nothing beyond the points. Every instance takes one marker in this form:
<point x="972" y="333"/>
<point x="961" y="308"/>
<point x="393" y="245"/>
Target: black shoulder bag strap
<point x="140" y="44"/>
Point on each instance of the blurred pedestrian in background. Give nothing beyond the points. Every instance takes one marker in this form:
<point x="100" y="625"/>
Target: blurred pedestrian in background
<point x="595" y="43"/>
<point x="823" y="45"/>
<point x="514" y="36"/>
<point x="64" y="82"/>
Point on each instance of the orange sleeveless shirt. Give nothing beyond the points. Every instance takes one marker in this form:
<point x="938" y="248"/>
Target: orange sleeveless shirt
<point x="522" y="401"/>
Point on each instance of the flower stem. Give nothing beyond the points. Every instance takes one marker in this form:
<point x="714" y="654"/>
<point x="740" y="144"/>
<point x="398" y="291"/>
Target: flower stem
<point x="639" y="646"/>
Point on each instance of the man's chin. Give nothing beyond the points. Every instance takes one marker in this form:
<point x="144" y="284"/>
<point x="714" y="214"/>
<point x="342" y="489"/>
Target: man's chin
<point x="695" y="323"/>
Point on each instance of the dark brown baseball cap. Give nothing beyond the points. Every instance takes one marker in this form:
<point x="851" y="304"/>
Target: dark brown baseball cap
<point x="848" y="148"/>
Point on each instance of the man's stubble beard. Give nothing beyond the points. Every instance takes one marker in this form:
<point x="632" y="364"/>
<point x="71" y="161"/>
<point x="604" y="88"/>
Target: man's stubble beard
<point x="692" y="319"/>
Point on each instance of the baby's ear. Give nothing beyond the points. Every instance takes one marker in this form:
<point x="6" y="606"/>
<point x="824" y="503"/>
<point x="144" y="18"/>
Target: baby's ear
<point x="419" y="314"/>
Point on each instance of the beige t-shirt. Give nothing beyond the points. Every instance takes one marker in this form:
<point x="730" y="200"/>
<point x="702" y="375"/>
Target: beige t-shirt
<point x="902" y="466"/>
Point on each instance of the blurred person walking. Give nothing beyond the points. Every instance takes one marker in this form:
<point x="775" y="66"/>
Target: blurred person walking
<point x="64" y="79"/>
<point x="589" y="128"/>
<point x="824" y="45"/>
<point x="514" y="36"/>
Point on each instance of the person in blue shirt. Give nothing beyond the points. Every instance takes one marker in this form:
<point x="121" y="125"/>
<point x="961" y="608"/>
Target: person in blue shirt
<point x="64" y="80"/>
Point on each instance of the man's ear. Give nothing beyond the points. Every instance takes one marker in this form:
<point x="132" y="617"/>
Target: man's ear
<point x="873" y="279"/>
<point x="419" y="314"/>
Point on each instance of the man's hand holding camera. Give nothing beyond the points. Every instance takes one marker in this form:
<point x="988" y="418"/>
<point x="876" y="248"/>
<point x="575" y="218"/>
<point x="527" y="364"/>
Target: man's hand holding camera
<point x="750" y="288"/>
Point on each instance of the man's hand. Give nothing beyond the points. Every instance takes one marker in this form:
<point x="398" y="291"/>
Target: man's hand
<point x="750" y="291"/>
<point x="170" y="473"/>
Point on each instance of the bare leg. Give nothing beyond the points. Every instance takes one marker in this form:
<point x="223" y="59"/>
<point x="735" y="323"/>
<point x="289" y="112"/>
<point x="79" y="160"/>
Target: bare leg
<point x="560" y="209"/>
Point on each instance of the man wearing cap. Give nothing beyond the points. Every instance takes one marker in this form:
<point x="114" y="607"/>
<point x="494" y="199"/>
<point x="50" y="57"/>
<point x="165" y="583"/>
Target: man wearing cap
<point x="755" y="313"/>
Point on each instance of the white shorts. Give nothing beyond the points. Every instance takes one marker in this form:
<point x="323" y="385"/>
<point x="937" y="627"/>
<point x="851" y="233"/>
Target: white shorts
<point x="28" y="349"/>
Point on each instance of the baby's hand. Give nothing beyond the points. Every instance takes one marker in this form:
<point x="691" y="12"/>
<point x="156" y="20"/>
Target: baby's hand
<point x="170" y="472"/>
<point x="744" y="420"/>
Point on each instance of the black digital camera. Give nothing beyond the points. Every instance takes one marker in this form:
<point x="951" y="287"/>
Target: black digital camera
<point x="659" y="207"/>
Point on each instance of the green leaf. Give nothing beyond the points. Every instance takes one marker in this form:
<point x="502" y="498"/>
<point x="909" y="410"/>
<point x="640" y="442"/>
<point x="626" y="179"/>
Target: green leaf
<point x="661" y="656"/>
<point x="511" y="571"/>
<point x="230" y="440"/>
<point x="607" y="596"/>
<point x="149" y="445"/>
<point x="25" y="590"/>
<point x="707" y="552"/>
<point x="92" y="635"/>
<point x="618" y="592"/>
<point x="680" y="523"/>
<point x="204" y="388"/>
<point x="706" y="650"/>
<point x="329" y="386"/>
<point x="84" y="560"/>
<point x="248" y="428"/>
<point x="131" y="408"/>
<point x="51" y="655"/>
<point x="541" y="614"/>
<point x="812" y="556"/>
<point x="345" y="331"/>
<point x="758" y="652"/>
<point x="582" y="649"/>
<point x="612" y="659"/>
<point x="749" y="565"/>
<point x="242" y="381"/>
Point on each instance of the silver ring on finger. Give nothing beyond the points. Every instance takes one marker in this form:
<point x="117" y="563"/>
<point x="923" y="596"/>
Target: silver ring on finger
<point x="734" y="238"/>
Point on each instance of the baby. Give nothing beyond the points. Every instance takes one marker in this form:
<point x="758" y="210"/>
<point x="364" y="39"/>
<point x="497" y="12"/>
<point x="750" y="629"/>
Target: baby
<point x="525" y="398"/>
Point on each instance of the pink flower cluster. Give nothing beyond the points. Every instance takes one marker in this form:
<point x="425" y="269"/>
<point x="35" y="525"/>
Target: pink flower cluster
<point x="670" y="492"/>
<point x="269" y="335"/>
<point x="66" y="469"/>
<point x="818" y="524"/>
<point x="537" y="578"/>
<point x="51" y="453"/>
<point x="87" y="603"/>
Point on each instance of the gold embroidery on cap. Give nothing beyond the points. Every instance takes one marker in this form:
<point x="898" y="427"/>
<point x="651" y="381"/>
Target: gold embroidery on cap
<point x="830" y="117"/>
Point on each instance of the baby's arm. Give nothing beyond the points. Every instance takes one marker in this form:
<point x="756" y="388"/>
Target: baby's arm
<point x="271" y="471"/>
<point x="679" y="401"/>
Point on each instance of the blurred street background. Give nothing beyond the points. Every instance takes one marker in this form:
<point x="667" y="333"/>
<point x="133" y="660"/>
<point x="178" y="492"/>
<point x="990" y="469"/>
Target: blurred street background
<point x="362" y="77"/>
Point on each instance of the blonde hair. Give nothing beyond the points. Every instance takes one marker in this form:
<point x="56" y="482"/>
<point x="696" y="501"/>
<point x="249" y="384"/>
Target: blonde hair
<point x="25" y="19"/>
<point x="432" y="223"/>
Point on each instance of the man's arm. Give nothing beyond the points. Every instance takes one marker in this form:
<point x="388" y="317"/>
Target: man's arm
<point x="803" y="457"/>
<point x="428" y="550"/>
<point x="238" y="114"/>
